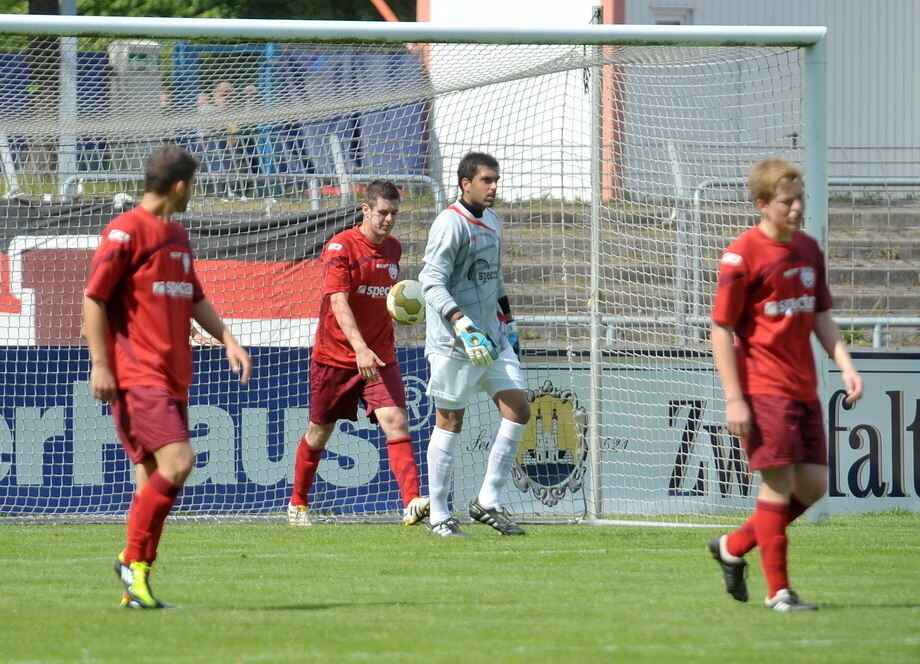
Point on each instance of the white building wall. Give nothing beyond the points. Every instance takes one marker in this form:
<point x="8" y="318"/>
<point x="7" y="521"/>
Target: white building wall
<point x="528" y="139"/>
<point x="873" y="82"/>
<point x="873" y="77"/>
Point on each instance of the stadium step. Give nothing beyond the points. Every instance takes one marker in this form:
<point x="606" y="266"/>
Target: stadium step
<point x="873" y="254"/>
<point x="903" y="218"/>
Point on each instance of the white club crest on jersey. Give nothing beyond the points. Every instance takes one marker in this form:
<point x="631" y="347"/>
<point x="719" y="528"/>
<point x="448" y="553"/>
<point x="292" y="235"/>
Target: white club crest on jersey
<point x="118" y="235"/>
<point x="732" y="258"/>
<point x="807" y="275"/>
<point x="393" y="269"/>
<point x="334" y="246"/>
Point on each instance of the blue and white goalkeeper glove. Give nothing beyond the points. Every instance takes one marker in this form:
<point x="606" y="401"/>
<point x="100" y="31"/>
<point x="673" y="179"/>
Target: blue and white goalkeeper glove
<point x="513" y="339"/>
<point x="478" y="346"/>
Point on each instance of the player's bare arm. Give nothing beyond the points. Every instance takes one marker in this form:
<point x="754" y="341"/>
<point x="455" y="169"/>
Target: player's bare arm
<point x="240" y="363"/>
<point x="201" y="339"/>
<point x="829" y="336"/>
<point x="737" y="412"/>
<point x="366" y="359"/>
<point x="101" y="378"/>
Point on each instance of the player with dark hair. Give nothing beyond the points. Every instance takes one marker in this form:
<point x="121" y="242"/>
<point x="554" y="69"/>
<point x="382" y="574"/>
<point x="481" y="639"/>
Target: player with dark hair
<point x="167" y="166"/>
<point x="471" y="345"/>
<point x="354" y="356"/>
<point x="772" y="295"/>
<point x="140" y="298"/>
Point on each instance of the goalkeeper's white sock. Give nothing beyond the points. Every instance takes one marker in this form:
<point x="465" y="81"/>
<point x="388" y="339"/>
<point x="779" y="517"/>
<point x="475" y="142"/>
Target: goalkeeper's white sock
<point x="501" y="458"/>
<point x="441" y="450"/>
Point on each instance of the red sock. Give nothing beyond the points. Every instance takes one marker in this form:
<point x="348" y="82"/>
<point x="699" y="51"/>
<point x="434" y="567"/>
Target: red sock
<point x="166" y="488"/>
<point x="402" y="463"/>
<point x="149" y="510"/>
<point x="304" y="471"/>
<point x="770" y="525"/>
<point x="744" y="539"/>
<point x="129" y="526"/>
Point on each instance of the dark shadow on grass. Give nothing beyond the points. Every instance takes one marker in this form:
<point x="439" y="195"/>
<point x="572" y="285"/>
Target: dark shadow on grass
<point x="338" y="605"/>
<point x="826" y="606"/>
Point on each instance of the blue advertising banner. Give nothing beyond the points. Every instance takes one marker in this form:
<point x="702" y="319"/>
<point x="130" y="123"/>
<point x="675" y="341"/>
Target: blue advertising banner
<point x="662" y="447"/>
<point x="59" y="453"/>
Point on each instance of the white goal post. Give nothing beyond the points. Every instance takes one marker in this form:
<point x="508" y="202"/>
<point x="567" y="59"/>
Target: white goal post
<point x="602" y="132"/>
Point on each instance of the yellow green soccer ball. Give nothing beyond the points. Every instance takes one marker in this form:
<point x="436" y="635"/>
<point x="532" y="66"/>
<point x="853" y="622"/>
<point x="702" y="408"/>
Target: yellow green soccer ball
<point x="406" y="303"/>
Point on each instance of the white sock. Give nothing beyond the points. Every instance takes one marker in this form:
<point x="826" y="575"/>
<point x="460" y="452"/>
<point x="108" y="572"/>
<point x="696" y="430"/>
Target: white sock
<point x="441" y="450"/>
<point x="501" y="458"/>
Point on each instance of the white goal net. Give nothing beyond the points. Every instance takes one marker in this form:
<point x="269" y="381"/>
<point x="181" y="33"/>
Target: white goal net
<point x="610" y="254"/>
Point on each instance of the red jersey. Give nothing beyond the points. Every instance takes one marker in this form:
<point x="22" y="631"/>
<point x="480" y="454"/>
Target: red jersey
<point x="770" y="291"/>
<point x="353" y="264"/>
<point x="144" y="271"/>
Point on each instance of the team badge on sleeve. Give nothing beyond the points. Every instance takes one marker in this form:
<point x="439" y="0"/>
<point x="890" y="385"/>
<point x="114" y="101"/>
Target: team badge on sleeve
<point x="732" y="258"/>
<point x="118" y="235"/>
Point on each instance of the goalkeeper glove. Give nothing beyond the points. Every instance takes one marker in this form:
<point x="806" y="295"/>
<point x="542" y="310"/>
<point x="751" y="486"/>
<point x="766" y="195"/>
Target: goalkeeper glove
<point x="513" y="339"/>
<point x="477" y="344"/>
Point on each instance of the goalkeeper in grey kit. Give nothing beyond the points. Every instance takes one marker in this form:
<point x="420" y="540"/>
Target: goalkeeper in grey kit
<point x="471" y="345"/>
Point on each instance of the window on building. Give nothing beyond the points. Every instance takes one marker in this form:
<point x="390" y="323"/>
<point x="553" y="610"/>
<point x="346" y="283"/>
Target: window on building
<point x="672" y="15"/>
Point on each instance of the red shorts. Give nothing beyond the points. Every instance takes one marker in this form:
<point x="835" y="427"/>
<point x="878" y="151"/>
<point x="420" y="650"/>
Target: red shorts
<point x="147" y="418"/>
<point x="784" y="432"/>
<point x="335" y="392"/>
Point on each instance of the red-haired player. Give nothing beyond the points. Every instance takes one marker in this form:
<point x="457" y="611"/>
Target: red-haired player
<point x="772" y="295"/>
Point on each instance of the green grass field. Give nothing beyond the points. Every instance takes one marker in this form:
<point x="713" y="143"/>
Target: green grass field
<point x="385" y="593"/>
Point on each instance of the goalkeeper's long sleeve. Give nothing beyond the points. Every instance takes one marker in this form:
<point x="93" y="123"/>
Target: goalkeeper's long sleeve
<point x="462" y="271"/>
